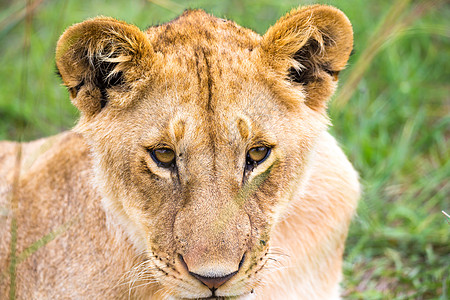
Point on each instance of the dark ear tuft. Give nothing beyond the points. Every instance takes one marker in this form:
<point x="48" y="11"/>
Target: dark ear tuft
<point x="304" y="73"/>
<point x="105" y="78"/>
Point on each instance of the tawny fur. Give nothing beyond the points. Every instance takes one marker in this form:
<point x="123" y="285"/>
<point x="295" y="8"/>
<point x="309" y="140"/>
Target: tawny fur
<point x="209" y="90"/>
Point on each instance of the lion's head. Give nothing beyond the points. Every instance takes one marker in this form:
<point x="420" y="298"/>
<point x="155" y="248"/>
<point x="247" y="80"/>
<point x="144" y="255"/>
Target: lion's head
<point x="199" y="131"/>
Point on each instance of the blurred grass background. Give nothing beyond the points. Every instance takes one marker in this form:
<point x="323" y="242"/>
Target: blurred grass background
<point x="391" y="115"/>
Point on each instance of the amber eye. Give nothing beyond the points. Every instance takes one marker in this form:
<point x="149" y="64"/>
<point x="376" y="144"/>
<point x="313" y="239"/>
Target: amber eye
<point x="257" y="155"/>
<point x="164" y="157"/>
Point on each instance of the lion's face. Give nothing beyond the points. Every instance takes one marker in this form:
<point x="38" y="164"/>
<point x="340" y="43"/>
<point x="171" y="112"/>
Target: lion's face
<point x="198" y="134"/>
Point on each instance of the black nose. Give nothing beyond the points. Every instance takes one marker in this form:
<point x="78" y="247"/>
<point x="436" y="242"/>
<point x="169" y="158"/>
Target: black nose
<point x="213" y="282"/>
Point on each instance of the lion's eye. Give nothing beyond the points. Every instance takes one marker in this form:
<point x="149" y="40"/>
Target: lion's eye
<point x="164" y="157"/>
<point x="257" y="155"/>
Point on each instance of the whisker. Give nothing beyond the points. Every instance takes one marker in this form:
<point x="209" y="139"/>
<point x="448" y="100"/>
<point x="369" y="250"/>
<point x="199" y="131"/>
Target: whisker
<point x="278" y="253"/>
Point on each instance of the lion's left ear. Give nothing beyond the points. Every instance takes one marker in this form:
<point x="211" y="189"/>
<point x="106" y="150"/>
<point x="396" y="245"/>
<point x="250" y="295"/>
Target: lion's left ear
<point x="310" y="46"/>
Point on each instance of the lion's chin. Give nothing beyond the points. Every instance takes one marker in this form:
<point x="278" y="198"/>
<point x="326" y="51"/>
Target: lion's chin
<point x="248" y="296"/>
<point x="240" y="297"/>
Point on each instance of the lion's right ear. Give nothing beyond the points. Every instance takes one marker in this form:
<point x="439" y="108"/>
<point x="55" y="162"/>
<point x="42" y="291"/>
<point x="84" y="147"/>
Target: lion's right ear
<point x="97" y="55"/>
<point x="309" y="47"/>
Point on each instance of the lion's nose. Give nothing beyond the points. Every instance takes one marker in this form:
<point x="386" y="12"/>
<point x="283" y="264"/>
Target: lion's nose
<point x="209" y="278"/>
<point x="213" y="282"/>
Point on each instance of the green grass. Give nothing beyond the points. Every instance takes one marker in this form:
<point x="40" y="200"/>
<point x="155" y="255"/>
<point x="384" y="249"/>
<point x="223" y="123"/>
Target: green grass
<point x="391" y="116"/>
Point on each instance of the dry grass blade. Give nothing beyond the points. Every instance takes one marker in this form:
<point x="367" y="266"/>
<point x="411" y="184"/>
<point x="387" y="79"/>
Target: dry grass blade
<point x="44" y="240"/>
<point x="394" y="23"/>
<point x="18" y="16"/>
<point x="16" y="259"/>
<point x="447" y="216"/>
<point x="13" y="248"/>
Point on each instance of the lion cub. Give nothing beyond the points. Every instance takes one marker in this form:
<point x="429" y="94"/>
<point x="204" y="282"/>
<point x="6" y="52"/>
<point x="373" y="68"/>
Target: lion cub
<point x="201" y="166"/>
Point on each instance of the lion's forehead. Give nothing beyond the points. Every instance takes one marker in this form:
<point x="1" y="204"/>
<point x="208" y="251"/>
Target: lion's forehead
<point x="209" y="63"/>
<point x="204" y="92"/>
<point x="206" y="70"/>
<point x="222" y="122"/>
<point x="195" y="27"/>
